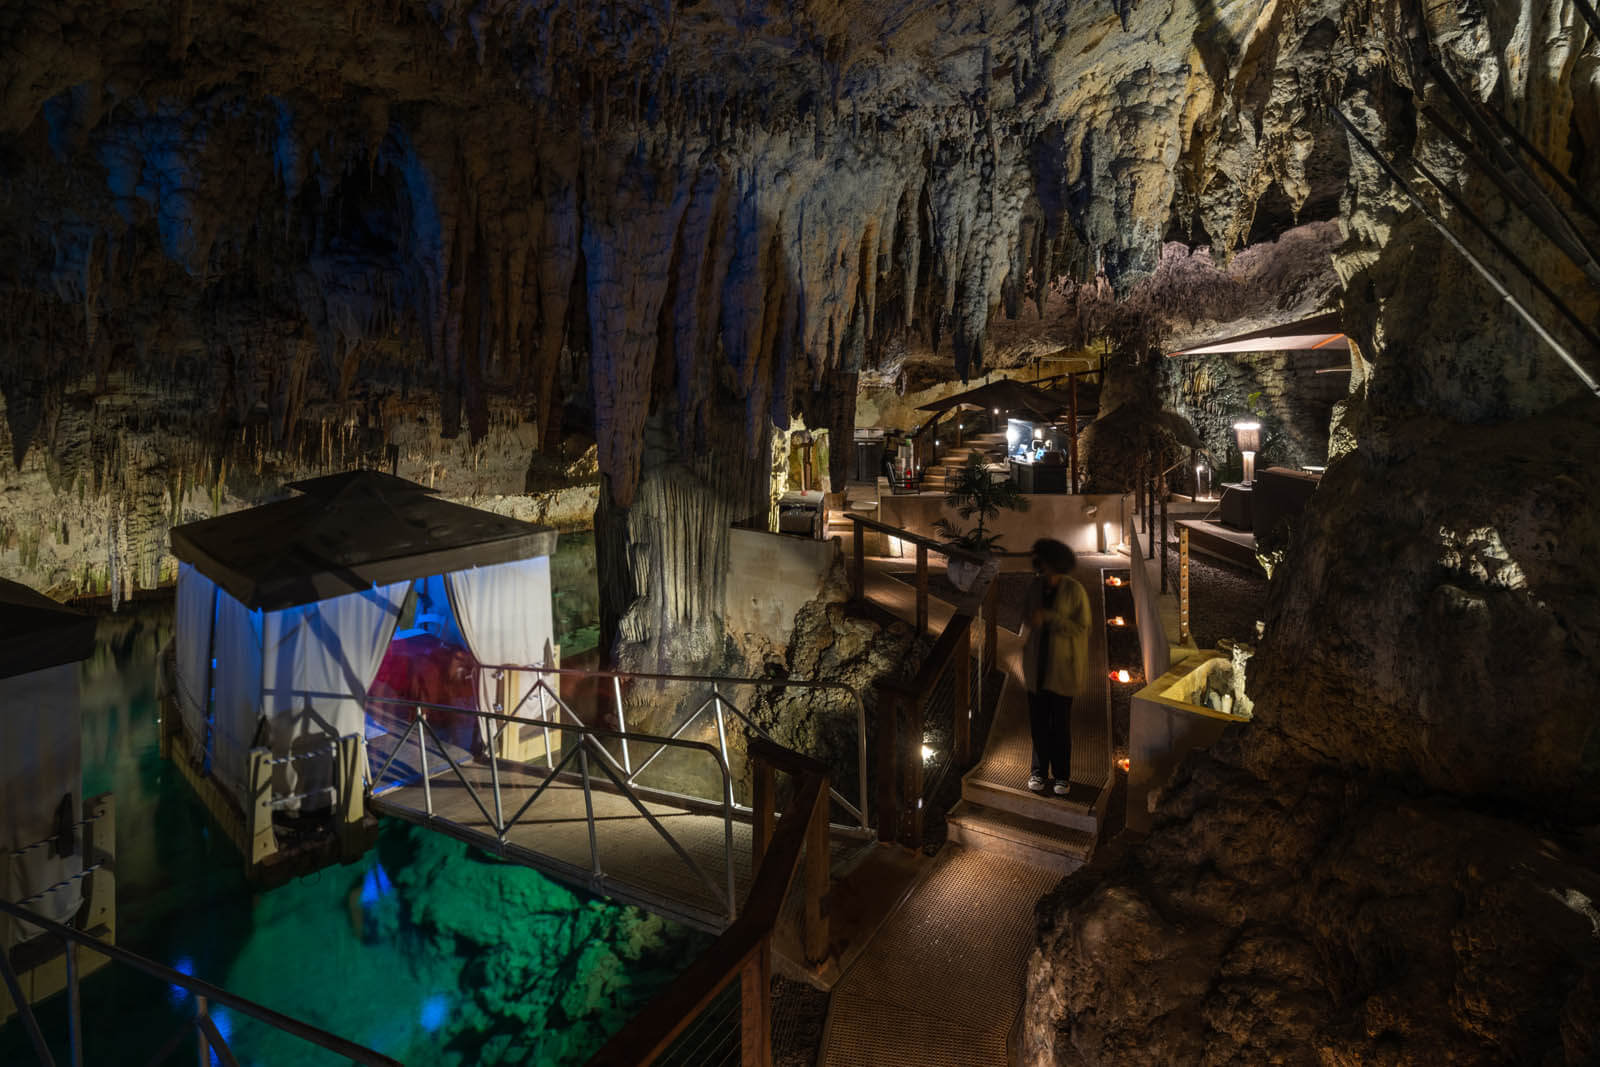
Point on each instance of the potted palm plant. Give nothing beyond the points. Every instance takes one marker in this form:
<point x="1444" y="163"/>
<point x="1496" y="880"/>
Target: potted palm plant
<point x="976" y="493"/>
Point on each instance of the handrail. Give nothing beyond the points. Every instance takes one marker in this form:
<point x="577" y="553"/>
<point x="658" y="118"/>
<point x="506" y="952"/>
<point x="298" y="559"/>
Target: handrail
<point x="588" y="743"/>
<point x="743" y="951"/>
<point x="903" y="712"/>
<point x="201" y="988"/>
<point x="718" y="699"/>
<point x="931" y="543"/>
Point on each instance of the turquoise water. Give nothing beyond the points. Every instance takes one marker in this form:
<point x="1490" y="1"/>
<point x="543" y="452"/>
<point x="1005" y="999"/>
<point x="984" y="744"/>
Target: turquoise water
<point x="425" y="949"/>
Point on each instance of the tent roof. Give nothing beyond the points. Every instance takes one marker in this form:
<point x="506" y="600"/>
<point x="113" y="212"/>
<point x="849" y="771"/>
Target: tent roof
<point x="1007" y="394"/>
<point x="36" y="632"/>
<point x="1319" y="331"/>
<point x="345" y="533"/>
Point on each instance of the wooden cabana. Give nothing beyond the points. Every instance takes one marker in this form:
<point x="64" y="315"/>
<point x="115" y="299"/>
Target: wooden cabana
<point x="55" y="849"/>
<point x="286" y="614"/>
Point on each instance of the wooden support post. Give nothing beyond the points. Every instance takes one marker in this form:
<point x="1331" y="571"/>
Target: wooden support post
<point x="922" y="589"/>
<point x="817" y="877"/>
<point x="763" y="817"/>
<point x="888" y="764"/>
<point x="858" y="578"/>
<point x="1183" y="583"/>
<point x="261" y="841"/>
<point x="1163" y="491"/>
<point x="755" y="1007"/>
<point x="991" y="626"/>
<point x="1150" y="521"/>
<point x="913" y="711"/>
<point x="1072" y="431"/>
<point x="351" y="798"/>
<point x="961" y="727"/>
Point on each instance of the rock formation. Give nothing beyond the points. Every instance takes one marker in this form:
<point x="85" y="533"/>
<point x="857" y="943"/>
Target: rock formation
<point x="241" y="243"/>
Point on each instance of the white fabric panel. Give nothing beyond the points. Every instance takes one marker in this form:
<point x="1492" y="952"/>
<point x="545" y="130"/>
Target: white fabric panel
<point x="40" y="762"/>
<point x="236" y="694"/>
<point x="317" y="662"/>
<point x="505" y="616"/>
<point x="195" y="604"/>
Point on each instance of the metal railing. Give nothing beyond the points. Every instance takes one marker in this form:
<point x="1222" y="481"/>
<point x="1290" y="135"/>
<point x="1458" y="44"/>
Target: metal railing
<point x="700" y="1002"/>
<point x="718" y="701"/>
<point x="209" y="1039"/>
<point x="492" y="727"/>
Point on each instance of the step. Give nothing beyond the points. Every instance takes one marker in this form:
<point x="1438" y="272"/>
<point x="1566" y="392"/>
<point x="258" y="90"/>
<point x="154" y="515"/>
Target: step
<point x="1017" y="837"/>
<point x="1075" y="811"/>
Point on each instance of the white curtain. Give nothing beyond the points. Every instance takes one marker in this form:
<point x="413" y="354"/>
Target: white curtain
<point x="504" y="615"/>
<point x="40" y="763"/>
<point x="195" y="605"/>
<point x="236" y="694"/>
<point x="317" y="662"/>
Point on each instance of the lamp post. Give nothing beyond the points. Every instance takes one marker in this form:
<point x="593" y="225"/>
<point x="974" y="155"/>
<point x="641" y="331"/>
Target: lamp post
<point x="1249" y="435"/>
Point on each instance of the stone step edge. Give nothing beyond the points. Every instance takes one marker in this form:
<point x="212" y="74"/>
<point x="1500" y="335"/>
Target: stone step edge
<point x="1050" y="809"/>
<point x="1009" y="826"/>
<point x="1039" y="851"/>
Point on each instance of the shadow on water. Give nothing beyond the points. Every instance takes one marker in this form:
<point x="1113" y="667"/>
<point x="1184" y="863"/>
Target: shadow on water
<point x="422" y="949"/>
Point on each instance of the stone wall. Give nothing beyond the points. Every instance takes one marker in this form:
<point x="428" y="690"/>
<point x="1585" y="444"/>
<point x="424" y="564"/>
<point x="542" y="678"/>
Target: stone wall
<point x="1281" y="390"/>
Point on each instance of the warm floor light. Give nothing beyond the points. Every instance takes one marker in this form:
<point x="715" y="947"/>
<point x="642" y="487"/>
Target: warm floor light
<point x="1121" y="675"/>
<point x="1117" y="620"/>
<point x="1115" y="582"/>
<point x="1123" y="764"/>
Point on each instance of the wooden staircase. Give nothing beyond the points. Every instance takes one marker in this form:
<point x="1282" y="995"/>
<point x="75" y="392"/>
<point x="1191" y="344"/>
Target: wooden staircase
<point x="940" y="477"/>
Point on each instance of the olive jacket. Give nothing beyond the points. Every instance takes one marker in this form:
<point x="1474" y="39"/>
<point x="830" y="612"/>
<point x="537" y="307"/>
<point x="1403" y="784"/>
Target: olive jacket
<point x="1066" y="627"/>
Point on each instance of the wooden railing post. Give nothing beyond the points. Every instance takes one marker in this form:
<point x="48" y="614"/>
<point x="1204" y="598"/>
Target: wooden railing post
<point x="817" y="877"/>
<point x="961" y="713"/>
<point x="1183" y="583"/>
<point x="258" y="818"/>
<point x="888" y="764"/>
<point x="763" y="812"/>
<point x="922" y="589"/>
<point x="755" y="1007"/>
<point x="913" y="713"/>
<point x="858" y="579"/>
<point x="991" y="628"/>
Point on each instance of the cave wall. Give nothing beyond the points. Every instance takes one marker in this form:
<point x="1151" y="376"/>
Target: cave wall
<point x="1281" y="390"/>
<point x="1395" y="861"/>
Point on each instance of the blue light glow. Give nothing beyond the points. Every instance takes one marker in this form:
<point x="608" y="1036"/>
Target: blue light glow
<point x="375" y="885"/>
<point x="176" y="993"/>
<point x="434" y="1011"/>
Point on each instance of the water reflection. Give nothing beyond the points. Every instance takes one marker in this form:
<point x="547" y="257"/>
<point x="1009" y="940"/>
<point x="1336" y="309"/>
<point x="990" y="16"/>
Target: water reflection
<point x="422" y="949"/>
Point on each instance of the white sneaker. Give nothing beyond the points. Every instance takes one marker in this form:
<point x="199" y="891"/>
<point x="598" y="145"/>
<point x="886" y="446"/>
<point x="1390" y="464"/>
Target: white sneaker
<point x="1036" y="783"/>
<point x="1062" y="788"/>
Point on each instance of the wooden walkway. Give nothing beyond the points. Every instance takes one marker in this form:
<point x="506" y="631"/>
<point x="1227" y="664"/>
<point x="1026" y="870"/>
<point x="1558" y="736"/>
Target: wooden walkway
<point x="632" y="860"/>
<point x="942" y="982"/>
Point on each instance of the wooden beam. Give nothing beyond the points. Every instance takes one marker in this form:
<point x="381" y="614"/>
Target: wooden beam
<point x="961" y="727"/>
<point x="755" y="1008"/>
<point x="922" y="589"/>
<point x="888" y="763"/>
<point x="763" y="814"/>
<point x="913" y="713"/>
<point x="817" y="876"/>
<point x="1072" y="431"/>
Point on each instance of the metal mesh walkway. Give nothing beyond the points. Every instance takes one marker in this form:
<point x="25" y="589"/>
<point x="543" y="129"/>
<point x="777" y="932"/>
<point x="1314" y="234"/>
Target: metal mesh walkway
<point x="943" y="980"/>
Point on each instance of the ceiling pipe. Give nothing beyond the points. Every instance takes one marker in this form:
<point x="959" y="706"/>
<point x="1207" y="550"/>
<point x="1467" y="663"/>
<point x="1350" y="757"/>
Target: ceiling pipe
<point x="1555" y="346"/>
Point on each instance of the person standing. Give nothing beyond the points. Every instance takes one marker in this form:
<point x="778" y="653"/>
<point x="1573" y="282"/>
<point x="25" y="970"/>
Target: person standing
<point x="1054" y="653"/>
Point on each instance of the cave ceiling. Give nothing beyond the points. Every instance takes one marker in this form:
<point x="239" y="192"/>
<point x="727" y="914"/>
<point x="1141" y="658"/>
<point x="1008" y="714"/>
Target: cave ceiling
<point x="721" y="206"/>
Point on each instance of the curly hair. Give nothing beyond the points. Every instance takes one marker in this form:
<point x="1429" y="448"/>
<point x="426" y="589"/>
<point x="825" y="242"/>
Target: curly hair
<point x="1055" y="555"/>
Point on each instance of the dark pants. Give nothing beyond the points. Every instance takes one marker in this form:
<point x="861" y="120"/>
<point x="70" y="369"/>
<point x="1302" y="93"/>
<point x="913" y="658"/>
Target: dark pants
<point x="1050" y="717"/>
